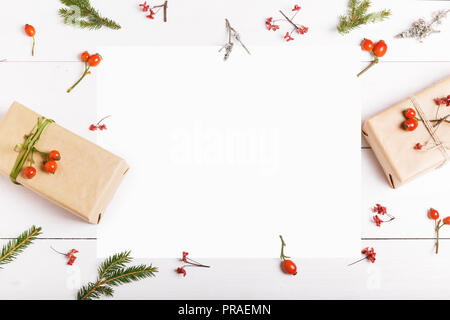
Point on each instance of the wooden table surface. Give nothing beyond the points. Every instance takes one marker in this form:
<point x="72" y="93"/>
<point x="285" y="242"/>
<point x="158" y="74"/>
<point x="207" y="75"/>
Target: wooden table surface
<point x="406" y="266"/>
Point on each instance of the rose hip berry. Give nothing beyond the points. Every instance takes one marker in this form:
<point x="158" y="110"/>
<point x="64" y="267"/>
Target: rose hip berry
<point x="51" y="166"/>
<point x="288" y="266"/>
<point x="85" y="56"/>
<point x="54" y="155"/>
<point x="29" y="172"/>
<point x="94" y="60"/>
<point x="433" y="214"/>
<point x="410" y="113"/>
<point x="410" y="124"/>
<point x="379" y="48"/>
<point x="367" y="45"/>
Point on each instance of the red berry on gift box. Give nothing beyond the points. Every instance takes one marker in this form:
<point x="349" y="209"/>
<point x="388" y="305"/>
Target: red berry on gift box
<point x="410" y="124"/>
<point x="54" y="155"/>
<point x="380" y="48"/>
<point x="29" y="172"/>
<point x="367" y="45"/>
<point x="289" y="267"/>
<point x="94" y="60"/>
<point x="51" y="166"/>
<point x="433" y="214"/>
<point x="410" y="113"/>
<point x="85" y="56"/>
<point x="30" y="30"/>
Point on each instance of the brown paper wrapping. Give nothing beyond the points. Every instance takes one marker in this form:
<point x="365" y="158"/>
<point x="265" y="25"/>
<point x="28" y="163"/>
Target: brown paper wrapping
<point x="87" y="175"/>
<point x="394" y="147"/>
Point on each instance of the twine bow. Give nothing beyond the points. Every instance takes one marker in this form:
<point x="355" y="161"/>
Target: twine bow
<point x="28" y="146"/>
<point x="432" y="131"/>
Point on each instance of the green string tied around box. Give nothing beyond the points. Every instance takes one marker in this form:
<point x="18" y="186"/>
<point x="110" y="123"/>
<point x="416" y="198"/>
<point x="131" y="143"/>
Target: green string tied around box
<point x="28" y="146"/>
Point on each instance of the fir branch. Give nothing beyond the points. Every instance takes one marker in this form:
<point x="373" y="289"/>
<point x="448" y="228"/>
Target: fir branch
<point x="16" y="246"/>
<point x="113" y="272"/>
<point x="80" y="13"/>
<point x="357" y="15"/>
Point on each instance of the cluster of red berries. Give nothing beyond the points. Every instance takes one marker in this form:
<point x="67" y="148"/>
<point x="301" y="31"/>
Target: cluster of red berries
<point x="190" y="263"/>
<point x="443" y="101"/>
<point x="92" y="60"/>
<point x="50" y="164"/>
<point x="69" y="255"/>
<point x="271" y="24"/>
<point x="377" y="50"/>
<point x="381" y="210"/>
<point x="89" y="61"/>
<point x="370" y="255"/>
<point x="411" y="123"/>
<point x="146" y="8"/>
<point x="99" y="125"/>
<point x="433" y="214"/>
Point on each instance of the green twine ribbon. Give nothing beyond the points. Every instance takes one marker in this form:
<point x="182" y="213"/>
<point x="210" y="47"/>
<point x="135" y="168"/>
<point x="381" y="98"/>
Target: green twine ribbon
<point x="28" y="146"/>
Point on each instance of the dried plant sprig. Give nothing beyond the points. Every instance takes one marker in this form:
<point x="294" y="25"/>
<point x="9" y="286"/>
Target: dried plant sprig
<point x="14" y="247"/>
<point x="420" y="29"/>
<point x="80" y="13"/>
<point x="113" y="272"/>
<point x="233" y="35"/>
<point x="357" y="16"/>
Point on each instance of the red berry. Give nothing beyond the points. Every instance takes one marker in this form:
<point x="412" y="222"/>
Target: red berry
<point x="367" y="45"/>
<point x="29" y="172"/>
<point x="289" y="267"/>
<point x="29" y="30"/>
<point x="433" y="214"/>
<point x="410" y="124"/>
<point x="380" y="48"/>
<point x="51" y="166"/>
<point x="93" y="127"/>
<point x="85" y="56"/>
<point x="447" y="220"/>
<point x="54" y="155"/>
<point x="410" y="113"/>
<point x="94" y="60"/>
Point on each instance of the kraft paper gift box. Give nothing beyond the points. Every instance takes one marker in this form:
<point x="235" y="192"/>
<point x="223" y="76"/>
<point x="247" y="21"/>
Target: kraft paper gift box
<point x="395" y="148"/>
<point x="87" y="176"/>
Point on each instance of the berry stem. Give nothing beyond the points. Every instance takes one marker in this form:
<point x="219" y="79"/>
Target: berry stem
<point x="283" y="244"/>
<point x="32" y="48"/>
<point x="437" y="236"/>
<point x="288" y="20"/>
<point x="57" y="251"/>
<point x="357" y="261"/>
<point x="86" y="71"/>
<point x="374" y="62"/>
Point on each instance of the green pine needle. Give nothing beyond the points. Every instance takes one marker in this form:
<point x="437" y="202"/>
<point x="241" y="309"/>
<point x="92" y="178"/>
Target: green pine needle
<point x="16" y="246"/>
<point x="113" y="272"/>
<point x="80" y="13"/>
<point x="357" y="15"/>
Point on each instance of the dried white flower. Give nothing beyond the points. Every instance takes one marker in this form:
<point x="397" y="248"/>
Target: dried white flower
<point x="421" y="29"/>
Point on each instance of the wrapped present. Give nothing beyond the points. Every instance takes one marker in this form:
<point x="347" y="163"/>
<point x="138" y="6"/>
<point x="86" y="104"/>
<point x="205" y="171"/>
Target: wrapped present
<point x="86" y="177"/>
<point x="413" y="136"/>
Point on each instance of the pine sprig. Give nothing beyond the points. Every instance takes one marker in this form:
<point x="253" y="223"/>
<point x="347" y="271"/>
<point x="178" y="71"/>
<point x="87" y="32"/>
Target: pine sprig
<point x="357" y="15"/>
<point x="80" y="13"/>
<point x="113" y="272"/>
<point x="16" y="246"/>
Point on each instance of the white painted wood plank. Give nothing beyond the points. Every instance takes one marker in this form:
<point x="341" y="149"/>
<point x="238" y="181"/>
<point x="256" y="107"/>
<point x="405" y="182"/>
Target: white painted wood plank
<point x="201" y="22"/>
<point x="42" y="86"/>
<point x="404" y="269"/>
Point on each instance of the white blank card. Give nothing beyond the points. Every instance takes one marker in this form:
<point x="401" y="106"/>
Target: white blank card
<point x="226" y="156"/>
